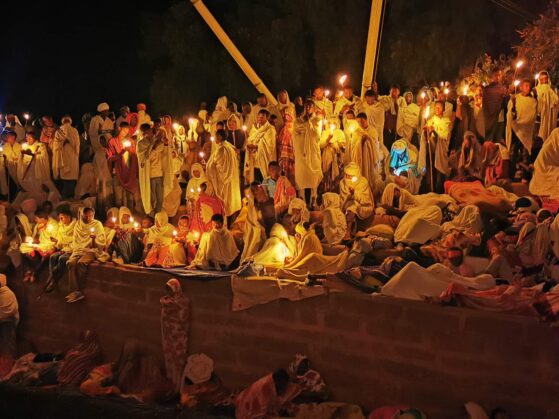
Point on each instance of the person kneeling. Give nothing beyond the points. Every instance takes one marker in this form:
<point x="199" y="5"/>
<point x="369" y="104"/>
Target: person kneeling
<point x="217" y="248"/>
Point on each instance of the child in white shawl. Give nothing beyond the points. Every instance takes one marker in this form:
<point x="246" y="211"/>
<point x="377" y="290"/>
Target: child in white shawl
<point x="334" y="222"/>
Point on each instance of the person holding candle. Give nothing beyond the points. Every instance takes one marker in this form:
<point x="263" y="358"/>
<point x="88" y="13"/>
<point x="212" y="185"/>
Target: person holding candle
<point x="407" y="123"/>
<point x="100" y="125"/>
<point x="163" y="247"/>
<point x="34" y="166"/>
<point x="333" y="146"/>
<point x="356" y="197"/>
<point x="87" y="245"/>
<point x="42" y="245"/>
<point x="63" y="248"/>
<point x="348" y="101"/>
<point x="65" y="157"/>
<point x="283" y="106"/>
<point x="521" y="119"/>
<point x="324" y="107"/>
<point x="123" y="164"/>
<point x="434" y="147"/>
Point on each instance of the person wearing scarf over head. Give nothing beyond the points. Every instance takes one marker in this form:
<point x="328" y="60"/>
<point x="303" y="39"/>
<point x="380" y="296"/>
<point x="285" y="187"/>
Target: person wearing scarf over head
<point x="133" y="124"/>
<point x="521" y="120"/>
<point x="63" y="247"/>
<point x="465" y="121"/>
<point x="171" y="187"/>
<point x="223" y="173"/>
<point x="407" y="123"/>
<point x="150" y="150"/>
<point x="548" y="105"/>
<point x="220" y="114"/>
<point x="127" y="243"/>
<point x="237" y="137"/>
<point x="175" y="324"/>
<point x="334" y="222"/>
<point x="375" y="113"/>
<point x="11" y="153"/>
<point x="186" y="237"/>
<point x="470" y="163"/>
<point x="197" y="178"/>
<point x="34" y="165"/>
<point x="356" y="196"/>
<point x="48" y="131"/>
<point x="123" y="164"/>
<point x="266" y="397"/>
<point x="161" y="248"/>
<point x="260" y="149"/>
<point x="495" y="162"/>
<point x="253" y="232"/>
<point x="308" y="163"/>
<point x="283" y="106"/>
<point x="9" y="319"/>
<point x="80" y="360"/>
<point x="347" y="102"/>
<point x="367" y="152"/>
<point x="309" y="258"/>
<point x="65" y="157"/>
<point x="396" y="200"/>
<point x="22" y="232"/>
<point x="479" y="119"/>
<point x="286" y="155"/>
<point x="38" y="248"/>
<point x="100" y="125"/>
<point x="179" y="140"/>
<point x="402" y="166"/>
<point x="143" y="116"/>
<point x="333" y="144"/>
<point x="279" y="246"/>
<point x="87" y="245"/>
<point x="323" y="105"/>
<point x="217" y="249"/>
<point x="392" y="104"/>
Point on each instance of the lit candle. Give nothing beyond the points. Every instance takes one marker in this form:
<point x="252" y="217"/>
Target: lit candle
<point x="327" y="93"/>
<point x="244" y="128"/>
<point x="29" y="240"/>
<point x="354" y="179"/>
<point x="136" y="225"/>
<point x="519" y="64"/>
<point x="537" y="77"/>
<point x="446" y="91"/>
<point x="465" y="90"/>
<point x="92" y="230"/>
<point x="442" y="83"/>
<point x="199" y="190"/>
<point x="191" y="190"/>
<point x="131" y="219"/>
<point x="25" y="146"/>
<point x="114" y="220"/>
<point x="332" y="128"/>
<point x="196" y="235"/>
<point x="191" y="121"/>
<point x="1" y="148"/>
<point x="212" y="139"/>
<point x="426" y="113"/>
<point x="340" y="93"/>
<point x="26" y="116"/>
<point x="175" y="233"/>
<point x="176" y="126"/>
<point x="422" y="95"/>
<point x="516" y="83"/>
<point x="127" y="143"/>
<point x="342" y="79"/>
<point x="50" y="227"/>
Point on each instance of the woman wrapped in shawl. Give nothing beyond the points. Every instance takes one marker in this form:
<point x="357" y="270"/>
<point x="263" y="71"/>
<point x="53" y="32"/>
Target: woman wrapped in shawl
<point x="495" y="162"/>
<point x="127" y="242"/>
<point x="309" y="380"/>
<point x="356" y="196"/>
<point x="334" y="223"/>
<point x="161" y="248"/>
<point x="175" y="324"/>
<point x="470" y="163"/>
<point x="298" y="211"/>
<point x="332" y="144"/>
<point x="402" y="167"/>
<point x="197" y="177"/>
<point x="279" y="247"/>
<point x="80" y="359"/>
<point x="39" y="246"/>
<point x="286" y="154"/>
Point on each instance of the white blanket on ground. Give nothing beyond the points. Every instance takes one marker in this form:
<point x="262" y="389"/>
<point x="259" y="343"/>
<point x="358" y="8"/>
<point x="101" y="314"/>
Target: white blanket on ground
<point x="416" y="283"/>
<point x="419" y="225"/>
<point x="545" y="181"/>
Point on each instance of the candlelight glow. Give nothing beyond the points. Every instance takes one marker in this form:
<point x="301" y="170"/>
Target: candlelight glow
<point x="422" y="95"/>
<point x="127" y="143"/>
<point x="136" y="225"/>
<point x="199" y="190"/>
<point x="201" y="154"/>
<point x="196" y="235"/>
<point x="426" y="113"/>
<point x="1" y="148"/>
<point x="191" y="121"/>
<point x="29" y="240"/>
<point x="50" y="227"/>
<point x="26" y="116"/>
<point x="113" y="219"/>
<point x="516" y="83"/>
<point x="442" y="83"/>
<point x="519" y="64"/>
<point x="342" y="79"/>
<point x="537" y="76"/>
<point x="25" y="146"/>
<point x="212" y="139"/>
<point x="332" y="127"/>
<point x="131" y="219"/>
<point x="191" y="190"/>
<point x="92" y="230"/>
<point x="176" y="126"/>
<point x="446" y="91"/>
<point x="327" y="93"/>
<point x="465" y="91"/>
<point x="175" y="233"/>
<point x="354" y="179"/>
<point x="244" y="127"/>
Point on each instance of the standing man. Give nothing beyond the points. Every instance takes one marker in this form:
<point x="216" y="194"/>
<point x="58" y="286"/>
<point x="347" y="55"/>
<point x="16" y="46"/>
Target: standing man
<point x="375" y="113"/>
<point x="437" y="139"/>
<point x="493" y="96"/>
<point x="324" y="107"/>
<point x="392" y="104"/>
<point x="260" y="149"/>
<point x="12" y="152"/>
<point x="366" y="152"/>
<point x="65" y="157"/>
<point x="123" y="164"/>
<point x="222" y="171"/>
<point x="306" y="147"/>
<point x="548" y="105"/>
<point x="100" y="125"/>
<point x="123" y="116"/>
<point x="348" y="102"/>
<point x="150" y="157"/>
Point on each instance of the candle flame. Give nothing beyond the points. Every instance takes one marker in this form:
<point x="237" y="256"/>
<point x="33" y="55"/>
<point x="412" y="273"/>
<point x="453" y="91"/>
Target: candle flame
<point x="244" y="127"/>
<point x="175" y="233"/>
<point x="136" y="225"/>
<point x="127" y="143"/>
<point x="516" y="83"/>
<point x="201" y="154"/>
<point x="446" y="91"/>
<point x="212" y="138"/>
<point x="50" y="227"/>
<point x="426" y="113"/>
<point x="422" y="95"/>
<point x="466" y="87"/>
<point x="327" y="93"/>
<point x="92" y="230"/>
<point x="131" y="219"/>
<point x="29" y="240"/>
<point x="354" y="179"/>
<point x="537" y="76"/>
<point x="519" y="64"/>
<point x="332" y="127"/>
<point x="442" y="83"/>
<point x="26" y="116"/>
<point x="176" y="126"/>
<point x="113" y="219"/>
<point x="25" y="146"/>
<point x="342" y="79"/>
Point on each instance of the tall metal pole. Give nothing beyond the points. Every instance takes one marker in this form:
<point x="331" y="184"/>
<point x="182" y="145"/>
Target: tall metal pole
<point x="373" y="44"/>
<point x="233" y="50"/>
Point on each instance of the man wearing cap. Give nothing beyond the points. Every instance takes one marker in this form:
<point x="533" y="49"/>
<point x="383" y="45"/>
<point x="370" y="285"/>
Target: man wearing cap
<point x="143" y="116"/>
<point x="100" y="125"/>
<point x="123" y="115"/>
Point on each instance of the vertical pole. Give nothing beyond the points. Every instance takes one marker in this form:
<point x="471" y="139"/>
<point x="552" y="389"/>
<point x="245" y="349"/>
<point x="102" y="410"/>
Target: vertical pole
<point x="373" y="44"/>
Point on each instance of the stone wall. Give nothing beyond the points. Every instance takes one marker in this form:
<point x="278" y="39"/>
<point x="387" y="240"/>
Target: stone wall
<point x="371" y="350"/>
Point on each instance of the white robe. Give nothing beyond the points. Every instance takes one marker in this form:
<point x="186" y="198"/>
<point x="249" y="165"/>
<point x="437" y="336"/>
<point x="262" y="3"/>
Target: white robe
<point x="548" y="105"/>
<point x="12" y="154"/>
<point x="334" y="222"/>
<point x="65" y="157"/>
<point x="308" y="162"/>
<point x="222" y="171"/>
<point x="367" y="154"/>
<point x="545" y="181"/>
<point x="143" y="150"/>
<point x="97" y="127"/>
<point x="353" y="103"/>
<point x="265" y="138"/>
<point x="34" y="171"/>
<point x="442" y="127"/>
<point x="419" y="225"/>
<point x="375" y="118"/>
<point x="408" y="121"/>
<point x="217" y="247"/>
<point x="361" y="202"/>
<point x="324" y="105"/>
<point x="523" y="125"/>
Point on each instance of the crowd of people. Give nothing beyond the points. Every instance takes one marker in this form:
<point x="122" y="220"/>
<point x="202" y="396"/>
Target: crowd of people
<point x="404" y="186"/>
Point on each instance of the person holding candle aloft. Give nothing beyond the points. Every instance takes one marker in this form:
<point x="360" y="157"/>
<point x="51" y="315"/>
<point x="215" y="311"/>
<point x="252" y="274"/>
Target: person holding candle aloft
<point x="87" y="245"/>
<point x="521" y="120"/>
<point x="123" y="164"/>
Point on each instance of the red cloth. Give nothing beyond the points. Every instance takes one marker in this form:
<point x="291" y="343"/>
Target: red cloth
<point x="204" y="208"/>
<point x="133" y="128"/>
<point x="126" y="172"/>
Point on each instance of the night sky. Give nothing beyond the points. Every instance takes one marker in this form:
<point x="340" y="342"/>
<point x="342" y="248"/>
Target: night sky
<point x="65" y="57"/>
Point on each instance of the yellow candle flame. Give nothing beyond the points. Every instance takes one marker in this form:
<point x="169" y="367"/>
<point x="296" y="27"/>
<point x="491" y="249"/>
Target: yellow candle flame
<point x="176" y="126"/>
<point x="516" y="83"/>
<point x="113" y="219"/>
<point x="29" y="240"/>
<point x="342" y="79"/>
<point x="244" y="127"/>
<point x="25" y="146"/>
<point x="175" y="233"/>
<point x="127" y="143"/>
<point x="212" y="138"/>
<point x="136" y="225"/>
<point x="354" y="179"/>
<point x="446" y="91"/>
<point x="519" y="64"/>
<point x="327" y="93"/>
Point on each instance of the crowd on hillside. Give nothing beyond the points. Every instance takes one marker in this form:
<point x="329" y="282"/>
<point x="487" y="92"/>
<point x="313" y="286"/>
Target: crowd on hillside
<point x="390" y="192"/>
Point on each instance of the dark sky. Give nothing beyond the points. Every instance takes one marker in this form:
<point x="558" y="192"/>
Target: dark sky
<point x="67" y="56"/>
